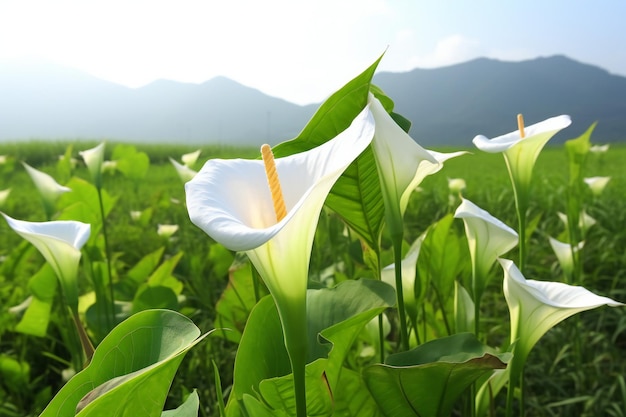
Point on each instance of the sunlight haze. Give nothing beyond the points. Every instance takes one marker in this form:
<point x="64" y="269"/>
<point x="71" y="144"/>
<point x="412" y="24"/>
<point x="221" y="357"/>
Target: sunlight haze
<point x="296" y="50"/>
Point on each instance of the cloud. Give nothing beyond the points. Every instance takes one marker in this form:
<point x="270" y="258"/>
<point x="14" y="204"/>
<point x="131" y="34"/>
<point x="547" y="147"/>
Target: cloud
<point x="450" y="50"/>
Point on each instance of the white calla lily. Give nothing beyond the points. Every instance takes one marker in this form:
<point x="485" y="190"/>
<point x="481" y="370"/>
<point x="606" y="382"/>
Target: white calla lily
<point x="585" y="221"/>
<point x="597" y="149"/>
<point x="565" y="255"/>
<point x="456" y="185"/>
<point x="4" y="196"/>
<point x="189" y="159"/>
<point x="167" y="230"/>
<point x="402" y="163"/>
<point x="537" y="306"/>
<point x="409" y="265"/>
<point x="94" y="158"/>
<point x="521" y="151"/>
<point x="231" y="201"/>
<point x="488" y="239"/>
<point x="48" y="188"/>
<point x="184" y="172"/>
<point x="60" y="243"/>
<point x="597" y="184"/>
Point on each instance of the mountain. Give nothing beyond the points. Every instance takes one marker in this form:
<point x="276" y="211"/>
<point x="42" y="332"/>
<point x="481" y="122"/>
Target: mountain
<point x="57" y="103"/>
<point x="448" y="105"/>
<point x="453" y="104"/>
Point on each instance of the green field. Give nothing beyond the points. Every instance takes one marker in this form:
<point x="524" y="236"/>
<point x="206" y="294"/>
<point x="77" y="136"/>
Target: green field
<point x="577" y="369"/>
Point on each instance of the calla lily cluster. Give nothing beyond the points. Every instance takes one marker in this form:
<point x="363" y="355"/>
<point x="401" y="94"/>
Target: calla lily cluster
<point x="521" y="149"/>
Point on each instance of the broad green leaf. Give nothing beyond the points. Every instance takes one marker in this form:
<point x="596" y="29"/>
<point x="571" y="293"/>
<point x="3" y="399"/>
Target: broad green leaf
<point x="187" y="409"/>
<point x="82" y="204"/>
<point x="441" y="258"/>
<point x="235" y="304"/>
<point x="142" y="269"/>
<point x="157" y="296"/>
<point x="464" y="313"/>
<point x="131" y="370"/>
<point x="352" y="398"/>
<point x="577" y="150"/>
<point x="133" y="164"/>
<point x="336" y="315"/>
<point x="356" y="195"/>
<point x="43" y="286"/>
<point x="427" y="380"/>
<point x="163" y="274"/>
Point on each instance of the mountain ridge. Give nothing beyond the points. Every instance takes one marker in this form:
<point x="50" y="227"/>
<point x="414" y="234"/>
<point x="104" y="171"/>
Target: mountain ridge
<point x="447" y="105"/>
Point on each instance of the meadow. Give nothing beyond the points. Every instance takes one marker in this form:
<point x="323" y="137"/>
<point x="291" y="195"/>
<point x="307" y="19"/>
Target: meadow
<point x="577" y="369"/>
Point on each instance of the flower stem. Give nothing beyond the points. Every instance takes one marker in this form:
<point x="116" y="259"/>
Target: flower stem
<point x="397" y="256"/>
<point x="111" y="315"/>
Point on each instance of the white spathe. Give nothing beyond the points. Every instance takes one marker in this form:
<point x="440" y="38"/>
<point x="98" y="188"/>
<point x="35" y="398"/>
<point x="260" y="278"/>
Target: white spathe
<point x="521" y="153"/>
<point x="488" y="237"/>
<point x="231" y="201"/>
<point x="184" y="172"/>
<point x="60" y="243"/>
<point x="537" y="306"/>
<point x="93" y="159"/>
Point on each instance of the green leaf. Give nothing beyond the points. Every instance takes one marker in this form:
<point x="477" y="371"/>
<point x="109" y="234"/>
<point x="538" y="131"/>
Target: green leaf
<point x="187" y="409"/>
<point x="131" y="370"/>
<point x="336" y="315"/>
<point x="163" y="274"/>
<point x="133" y="164"/>
<point x="355" y="197"/>
<point x="235" y="304"/>
<point x="427" y="380"/>
<point x="43" y="286"/>
<point x="157" y="296"/>
<point x="352" y="398"/>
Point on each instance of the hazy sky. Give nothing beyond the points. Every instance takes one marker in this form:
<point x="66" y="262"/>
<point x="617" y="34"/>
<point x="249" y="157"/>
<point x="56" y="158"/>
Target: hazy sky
<point x="302" y="50"/>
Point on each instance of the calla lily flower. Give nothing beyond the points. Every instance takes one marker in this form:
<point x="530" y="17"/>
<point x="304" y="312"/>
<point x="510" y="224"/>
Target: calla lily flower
<point x="59" y="242"/>
<point x="184" y="172"/>
<point x="93" y="159"/>
<point x="48" y="188"/>
<point x="488" y="239"/>
<point x="402" y="163"/>
<point x="520" y="152"/>
<point x="190" y="159"/>
<point x="409" y="264"/>
<point x="597" y="184"/>
<point x="585" y="221"/>
<point x="167" y="230"/>
<point x="599" y="148"/>
<point x="3" y="159"/>
<point x="4" y="195"/>
<point x="456" y="185"/>
<point x="231" y="201"/>
<point x="537" y="306"/>
<point x="565" y="254"/>
<point x="109" y="167"/>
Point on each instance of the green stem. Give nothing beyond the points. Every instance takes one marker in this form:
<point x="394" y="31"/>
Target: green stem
<point x="397" y="256"/>
<point x="293" y="318"/>
<point x="111" y="315"/>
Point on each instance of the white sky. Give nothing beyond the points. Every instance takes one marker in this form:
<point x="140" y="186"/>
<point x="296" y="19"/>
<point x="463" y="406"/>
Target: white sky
<point x="302" y="50"/>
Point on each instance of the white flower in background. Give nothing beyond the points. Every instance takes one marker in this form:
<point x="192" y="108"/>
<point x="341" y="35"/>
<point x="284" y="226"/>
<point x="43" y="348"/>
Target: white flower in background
<point x="135" y="215"/>
<point x="190" y="159"/>
<point x="93" y="159"/>
<point x="60" y="243"/>
<point x="565" y="255"/>
<point x="185" y="173"/>
<point x="48" y="188"/>
<point x="4" y="195"/>
<point x="597" y="184"/>
<point x="109" y="167"/>
<point x="167" y="230"/>
<point x="3" y="159"/>
<point x="456" y="185"/>
<point x="598" y="149"/>
<point x="585" y="221"/>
